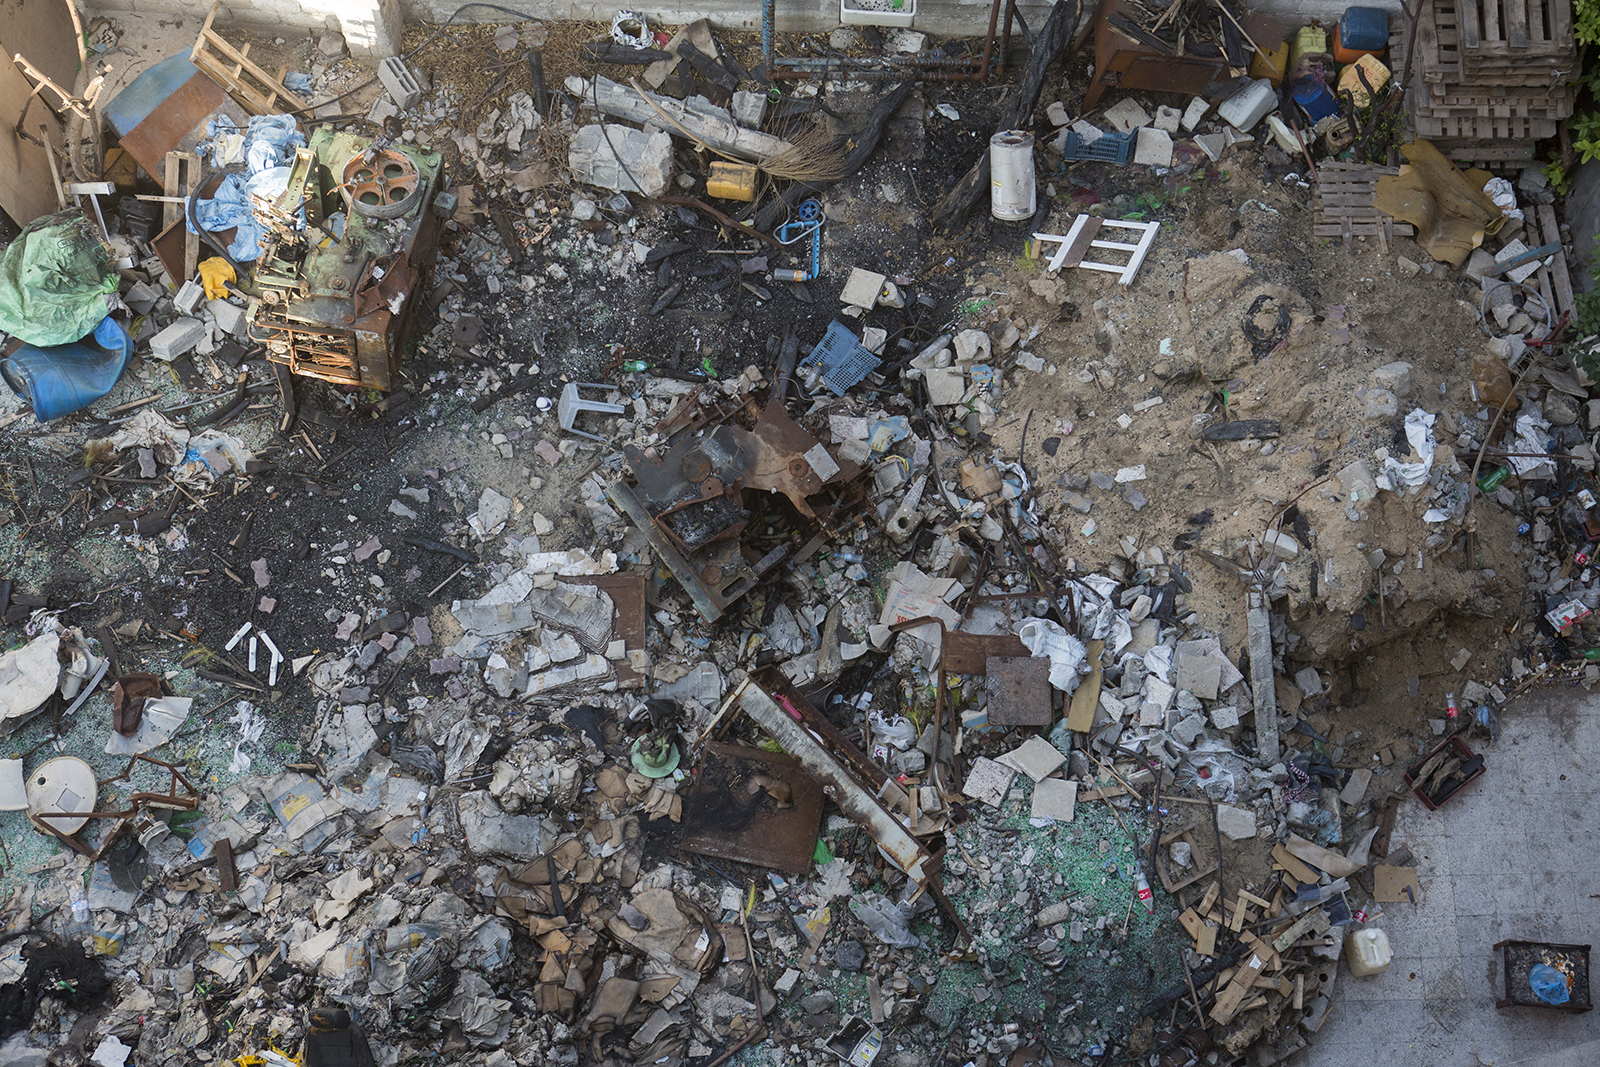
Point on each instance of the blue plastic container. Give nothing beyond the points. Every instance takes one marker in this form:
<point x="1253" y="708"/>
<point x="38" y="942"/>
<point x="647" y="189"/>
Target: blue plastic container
<point x="65" y="378"/>
<point x="1364" y="29"/>
<point x="1316" y="101"/>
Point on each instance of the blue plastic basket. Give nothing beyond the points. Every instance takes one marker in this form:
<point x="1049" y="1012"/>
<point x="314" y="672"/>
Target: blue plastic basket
<point x="841" y="358"/>
<point x="1108" y="148"/>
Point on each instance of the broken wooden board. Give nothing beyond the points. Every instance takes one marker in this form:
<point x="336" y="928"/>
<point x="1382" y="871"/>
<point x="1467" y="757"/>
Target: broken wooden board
<point x="1314" y="922"/>
<point x="1086" y="698"/>
<point x="1233" y="997"/>
<point x="1390" y="885"/>
<point x="256" y="90"/>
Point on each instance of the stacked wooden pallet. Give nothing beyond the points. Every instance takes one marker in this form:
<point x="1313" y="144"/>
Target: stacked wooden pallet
<point x="1344" y="207"/>
<point x="1493" y="76"/>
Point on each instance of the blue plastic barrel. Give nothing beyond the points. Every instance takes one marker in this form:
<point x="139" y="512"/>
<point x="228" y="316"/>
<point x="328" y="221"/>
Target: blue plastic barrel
<point x="1364" y="29"/>
<point x="1316" y="101"/>
<point x="64" y="378"/>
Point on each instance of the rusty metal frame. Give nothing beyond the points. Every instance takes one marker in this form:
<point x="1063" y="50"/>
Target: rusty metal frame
<point x="783" y="840"/>
<point x="139" y="800"/>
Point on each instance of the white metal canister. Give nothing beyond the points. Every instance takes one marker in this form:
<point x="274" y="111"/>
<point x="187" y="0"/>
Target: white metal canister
<point x="1013" y="194"/>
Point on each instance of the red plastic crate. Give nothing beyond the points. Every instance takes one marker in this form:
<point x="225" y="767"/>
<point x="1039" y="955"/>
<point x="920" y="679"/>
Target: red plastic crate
<point x="1461" y="749"/>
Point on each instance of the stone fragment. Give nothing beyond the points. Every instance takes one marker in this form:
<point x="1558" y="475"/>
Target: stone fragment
<point x="1154" y="148"/>
<point x="1395" y="377"/>
<point x="1381" y="404"/>
<point x="1127" y="115"/>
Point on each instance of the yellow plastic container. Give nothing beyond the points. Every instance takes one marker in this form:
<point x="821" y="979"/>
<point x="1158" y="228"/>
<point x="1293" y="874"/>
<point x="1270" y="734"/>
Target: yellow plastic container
<point x="1271" y="65"/>
<point x="1366" y="951"/>
<point x="732" y="181"/>
<point x="1350" y="81"/>
<point x="1308" y="40"/>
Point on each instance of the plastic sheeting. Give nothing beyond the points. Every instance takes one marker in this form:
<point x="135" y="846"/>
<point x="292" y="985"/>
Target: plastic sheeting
<point x="55" y="279"/>
<point x="1446" y="205"/>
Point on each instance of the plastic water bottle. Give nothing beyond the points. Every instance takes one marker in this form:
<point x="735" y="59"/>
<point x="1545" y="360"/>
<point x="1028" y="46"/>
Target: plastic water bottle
<point x="1451" y="709"/>
<point x="1146" y="897"/>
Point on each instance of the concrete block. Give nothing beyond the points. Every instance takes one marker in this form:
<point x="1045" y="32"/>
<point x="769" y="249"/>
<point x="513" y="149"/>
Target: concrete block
<point x="1058" y="114"/>
<point x="230" y="318"/>
<point x="371" y="28"/>
<point x="1477" y="263"/>
<point x="621" y="158"/>
<point x="1225" y="717"/>
<point x="142" y="296"/>
<point x="177" y="339"/>
<point x="1356" y="788"/>
<point x="1200" y="675"/>
<point x="1395" y="377"/>
<point x="188" y="297"/>
<point x="401" y="84"/>
<point x="1381" y="403"/>
<point x="1154" y="148"/>
<point x="861" y="288"/>
<point x="1212" y="144"/>
<point x="1281" y="544"/>
<point x="1195" y="112"/>
<point x="1086" y="131"/>
<point x="1127" y="115"/>
<point x="1168" y="118"/>
<point x="749" y="109"/>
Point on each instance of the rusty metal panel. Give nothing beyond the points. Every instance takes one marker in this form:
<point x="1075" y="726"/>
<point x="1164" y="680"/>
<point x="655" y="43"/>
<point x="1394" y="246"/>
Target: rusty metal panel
<point x="970" y="653"/>
<point x="177" y="117"/>
<point x="1019" y="691"/>
<point x="733" y="813"/>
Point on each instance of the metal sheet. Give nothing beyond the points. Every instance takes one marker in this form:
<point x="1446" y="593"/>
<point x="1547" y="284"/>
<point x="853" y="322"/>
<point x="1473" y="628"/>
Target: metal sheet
<point x="970" y="653"/>
<point x="722" y="817"/>
<point x="176" y="119"/>
<point x="1019" y="691"/>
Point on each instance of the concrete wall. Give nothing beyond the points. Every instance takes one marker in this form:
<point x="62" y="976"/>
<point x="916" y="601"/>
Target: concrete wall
<point x="372" y="27"/>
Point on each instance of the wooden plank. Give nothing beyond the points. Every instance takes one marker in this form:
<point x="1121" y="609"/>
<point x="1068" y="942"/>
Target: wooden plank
<point x="1296" y="870"/>
<point x="1230" y="999"/>
<point x="1490" y="30"/>
<point x="1213" y="891"/>
<point x="1081" y="243"/>
<point x="1191" y="922"/>
<point x="1086" y="698"/>
<point x="1560" y="276"/>
<point x="1470" y="21"/>
<point x="1206" y="943"/>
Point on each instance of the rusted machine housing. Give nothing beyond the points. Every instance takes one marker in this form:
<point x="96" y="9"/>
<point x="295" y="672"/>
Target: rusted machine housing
<point x="340" y="310"/>
<point x="688" y="498"/>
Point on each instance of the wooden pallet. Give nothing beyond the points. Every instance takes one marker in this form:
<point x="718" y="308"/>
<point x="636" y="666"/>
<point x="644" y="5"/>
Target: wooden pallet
<point x="1465" y="150"/>
<point x="1343" y="202"/>
<point x="1534" y="105"/>
<point x="1516" y="27"/>
<point x="1554" y="281"/>
<point x="257" y="91"/>
<point x="1486" y="128"/>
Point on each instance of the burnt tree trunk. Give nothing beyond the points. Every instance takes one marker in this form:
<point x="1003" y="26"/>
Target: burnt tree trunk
<point x="1051" y="42"/>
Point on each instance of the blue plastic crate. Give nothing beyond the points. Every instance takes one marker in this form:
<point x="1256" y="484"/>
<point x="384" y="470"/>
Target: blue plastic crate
<point x="841" y="358"/>
<point x="1108" y="148"/>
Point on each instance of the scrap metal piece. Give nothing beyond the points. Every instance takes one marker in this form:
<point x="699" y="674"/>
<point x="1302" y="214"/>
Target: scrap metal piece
<point x="1019" y="691"/>
<point x="753" y="806"/>
<point x="688" y="499"/>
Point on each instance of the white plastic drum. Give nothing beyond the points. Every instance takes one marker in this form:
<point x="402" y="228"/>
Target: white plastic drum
<point x="1013" y="193"/>
<point x="65" y="784"/>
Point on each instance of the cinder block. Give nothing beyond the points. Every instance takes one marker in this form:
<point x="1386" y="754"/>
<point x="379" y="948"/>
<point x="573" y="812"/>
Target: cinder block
<point x="397" y="78"/>
<point x="177" y="339"/>
<point x="230" y="318"/>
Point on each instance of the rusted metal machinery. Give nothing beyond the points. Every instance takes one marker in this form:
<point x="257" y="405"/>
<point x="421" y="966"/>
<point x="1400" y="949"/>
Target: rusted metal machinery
<point x="337" y="304"/>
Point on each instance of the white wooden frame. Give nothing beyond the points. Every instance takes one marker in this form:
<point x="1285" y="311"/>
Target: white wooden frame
<point x="1124" y="271"/>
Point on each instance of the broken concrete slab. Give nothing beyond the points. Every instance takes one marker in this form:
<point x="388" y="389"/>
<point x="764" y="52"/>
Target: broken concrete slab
<point x="988" y="781"/>
<point x="1154" y="148"/>
<point x="1126" y="114"/>
<point x="621" y="158"/>
<point x="1036" y="757"/>
<point x="1054" y="798"/>
<point x="1236" y="824"/>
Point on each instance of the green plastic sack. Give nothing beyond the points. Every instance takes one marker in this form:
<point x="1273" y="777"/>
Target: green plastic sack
<point x="54" y="280"/>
